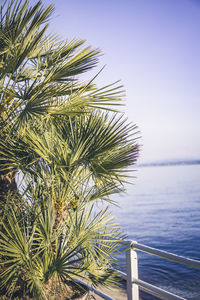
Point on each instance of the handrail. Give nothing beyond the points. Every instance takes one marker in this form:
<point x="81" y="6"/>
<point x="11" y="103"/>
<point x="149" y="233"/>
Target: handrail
<point x="133" y="282"/>
<point x="131" y="276"/>
<point x="120" y="273"/>
<point x="156" y="291"/>
<point x="164" y="254"/>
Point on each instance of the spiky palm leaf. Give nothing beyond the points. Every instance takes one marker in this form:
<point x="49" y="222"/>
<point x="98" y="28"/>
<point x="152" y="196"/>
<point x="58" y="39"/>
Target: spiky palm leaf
<point x="32" y="251"/>
<point x="38" y="74"/>
<point x="67" y="152"/>
<point x="85" y="157"/>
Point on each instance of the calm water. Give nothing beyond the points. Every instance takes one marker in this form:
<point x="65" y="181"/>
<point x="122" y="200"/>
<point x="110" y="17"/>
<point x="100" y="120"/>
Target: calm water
<point x="162" y="210"/>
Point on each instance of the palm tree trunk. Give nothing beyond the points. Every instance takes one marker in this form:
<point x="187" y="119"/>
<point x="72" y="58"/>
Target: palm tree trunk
<point x="58" y="219"/>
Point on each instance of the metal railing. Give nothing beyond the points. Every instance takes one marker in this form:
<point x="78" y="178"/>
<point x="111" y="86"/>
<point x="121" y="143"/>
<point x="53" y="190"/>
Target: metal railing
<point x="134" y="283"/>
<point x="131" y="275"/>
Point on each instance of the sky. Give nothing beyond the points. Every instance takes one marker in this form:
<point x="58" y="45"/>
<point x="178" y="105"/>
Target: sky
<point x="153" y="47"/>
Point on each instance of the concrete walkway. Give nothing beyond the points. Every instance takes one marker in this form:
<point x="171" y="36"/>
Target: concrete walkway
<point x="115" y="293"/>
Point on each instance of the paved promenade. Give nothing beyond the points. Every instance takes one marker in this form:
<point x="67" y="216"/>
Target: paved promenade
<point x="115" y="293"/>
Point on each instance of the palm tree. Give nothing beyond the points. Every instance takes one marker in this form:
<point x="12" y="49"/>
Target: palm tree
<point x="66" y="150"/>
<point x="38" y="75"/>
<point x="41" y="262"/>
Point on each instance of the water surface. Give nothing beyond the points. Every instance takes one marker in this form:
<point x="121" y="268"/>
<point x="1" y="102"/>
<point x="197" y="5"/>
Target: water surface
<point x="162" y="210"/>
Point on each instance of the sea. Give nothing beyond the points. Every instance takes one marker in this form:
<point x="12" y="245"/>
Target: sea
<point x="162" y="210"/>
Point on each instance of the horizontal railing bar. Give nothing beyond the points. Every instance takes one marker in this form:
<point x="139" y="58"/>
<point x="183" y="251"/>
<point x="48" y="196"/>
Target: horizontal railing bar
<point x="164" y="254"/>
<point x="122" y="274"/>
<point x="155" y="291"/>
<point x="92" y="289"/>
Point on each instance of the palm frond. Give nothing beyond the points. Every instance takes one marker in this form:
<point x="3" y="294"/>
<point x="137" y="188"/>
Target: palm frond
<point x="85" y="244"/>
<point x="87" y="156"/>
<point x="69" y="153"/>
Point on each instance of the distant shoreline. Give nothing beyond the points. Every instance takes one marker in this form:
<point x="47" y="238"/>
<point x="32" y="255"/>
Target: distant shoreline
<point x="170" y="163"/>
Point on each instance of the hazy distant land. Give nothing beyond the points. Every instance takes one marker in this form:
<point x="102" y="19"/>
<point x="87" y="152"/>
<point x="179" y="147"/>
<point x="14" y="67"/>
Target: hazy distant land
<point x="171" y="163"/>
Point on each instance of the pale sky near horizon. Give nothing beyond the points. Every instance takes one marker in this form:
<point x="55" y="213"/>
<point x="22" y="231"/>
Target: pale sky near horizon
<point x="153" y="47"/>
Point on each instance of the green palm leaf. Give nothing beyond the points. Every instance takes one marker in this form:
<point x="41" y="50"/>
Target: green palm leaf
<point x="68" y="153"/>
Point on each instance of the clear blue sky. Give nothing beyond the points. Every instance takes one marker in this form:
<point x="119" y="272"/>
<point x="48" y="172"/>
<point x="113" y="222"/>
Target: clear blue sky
<point x="153" y="46"/>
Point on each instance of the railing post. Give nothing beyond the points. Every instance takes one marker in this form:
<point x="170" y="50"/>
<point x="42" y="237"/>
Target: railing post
<point x="132" y="273"/>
